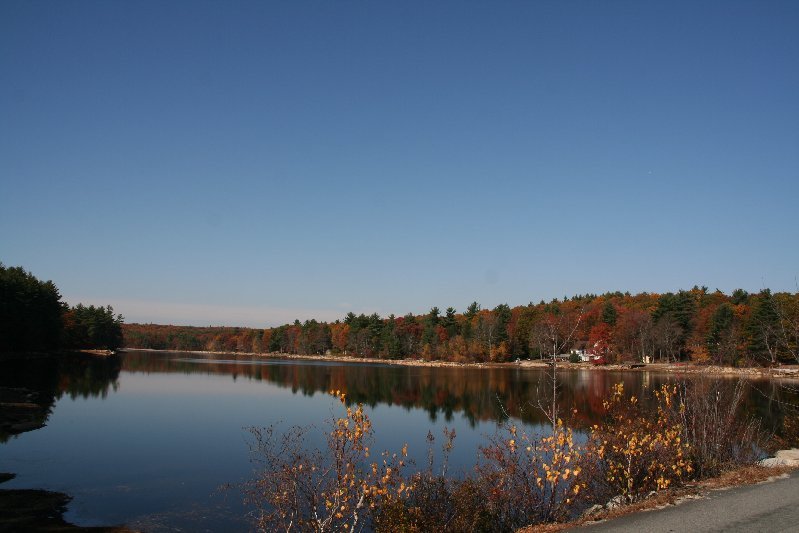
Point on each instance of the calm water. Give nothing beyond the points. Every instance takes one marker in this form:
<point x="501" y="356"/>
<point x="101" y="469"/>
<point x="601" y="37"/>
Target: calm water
<point x="147" y="439"/>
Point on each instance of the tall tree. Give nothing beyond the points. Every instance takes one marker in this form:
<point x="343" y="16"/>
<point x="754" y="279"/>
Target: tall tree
<point x="92" y="327"/>
<point x="30" y="312"/>
<point x="470" y="317"/>
<point x="676" y="310"/>
<point x="390" y="340"/>
<point x="450" y="323"/>
<point x="720" y="343"/>
<point x="609" y="313"/>
<point x="503" y="314"/>
<point x="739" y="296"/>
<point x="430" y="323"/>
<point x="764" y="329"/>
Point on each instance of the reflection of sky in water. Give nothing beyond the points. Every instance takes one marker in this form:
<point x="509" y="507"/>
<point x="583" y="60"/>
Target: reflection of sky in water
<point x="152" y="453"/>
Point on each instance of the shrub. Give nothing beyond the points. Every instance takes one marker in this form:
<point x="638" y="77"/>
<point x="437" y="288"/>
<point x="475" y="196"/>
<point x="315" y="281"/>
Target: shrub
<point x="532" y="479"/>
<point x="718" y="436"/>
<point x="323" y="490"/>
<point x="638" y="453"/>
<point x="520" y="479"/>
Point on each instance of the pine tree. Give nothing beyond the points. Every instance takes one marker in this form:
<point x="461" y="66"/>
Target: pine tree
<point x="609" y="313"/>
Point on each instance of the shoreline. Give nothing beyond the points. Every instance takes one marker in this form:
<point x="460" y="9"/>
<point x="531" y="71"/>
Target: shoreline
<point x="41" y="510"/>
<point x="15" y="356"/>
<point x="789" y="372"/>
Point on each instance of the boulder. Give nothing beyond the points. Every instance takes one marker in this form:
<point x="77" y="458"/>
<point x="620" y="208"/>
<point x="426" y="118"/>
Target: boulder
<point x="782" y="458"/>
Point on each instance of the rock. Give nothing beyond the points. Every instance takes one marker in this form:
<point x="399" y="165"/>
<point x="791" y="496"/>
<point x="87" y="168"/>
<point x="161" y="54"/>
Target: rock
<point x="782" y="458"/>
<point x="772" y="462"/>
<point x="594" y="509"/>
<point x="789" y="455"/>
<point x="616" y="502"/>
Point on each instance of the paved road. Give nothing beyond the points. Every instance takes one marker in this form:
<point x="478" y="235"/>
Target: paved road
<point x="769" y="507"/>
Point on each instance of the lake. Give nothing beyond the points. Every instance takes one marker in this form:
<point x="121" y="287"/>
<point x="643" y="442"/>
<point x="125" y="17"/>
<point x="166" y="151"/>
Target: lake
<point x="148" y="439"/>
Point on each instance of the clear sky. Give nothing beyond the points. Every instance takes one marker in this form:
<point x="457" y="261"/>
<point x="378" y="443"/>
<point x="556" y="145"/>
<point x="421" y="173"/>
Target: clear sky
<point x="249" y="163"/>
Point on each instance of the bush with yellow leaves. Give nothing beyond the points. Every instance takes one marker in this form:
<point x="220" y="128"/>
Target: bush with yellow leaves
<point x="636" y="451"/>
<point x="533" y="479"/>
<point x="334" y="489"/>
<point x="520" y="480"/>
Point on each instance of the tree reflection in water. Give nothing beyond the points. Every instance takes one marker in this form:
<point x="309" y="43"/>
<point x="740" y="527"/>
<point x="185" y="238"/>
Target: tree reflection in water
<point x="479" y="394"/>
<point x="30" y="387"/>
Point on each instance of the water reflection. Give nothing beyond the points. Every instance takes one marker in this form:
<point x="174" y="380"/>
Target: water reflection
<point x="147" y="438"/>
<point x="479" y="394"/>
<point x="29" y="390"/>
<point x="30" y="387"/>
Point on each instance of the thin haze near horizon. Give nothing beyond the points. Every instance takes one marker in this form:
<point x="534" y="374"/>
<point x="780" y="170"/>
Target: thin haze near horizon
<point x="249" y="163"/>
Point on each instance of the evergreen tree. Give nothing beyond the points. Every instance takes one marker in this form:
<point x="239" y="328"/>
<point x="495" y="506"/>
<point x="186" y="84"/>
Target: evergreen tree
<point x="449" y="322"/>
<point x="680" y="309"/>
<point x="31" y="312"/>
<point x="503" y="316"/>
<point x="467" y="330"/>
<point x="33" y="317"/>
<point x="739" y="296"/>
<point x="720" y="329"/>
<point x="609" y="313"/>
<point x="430" y="323"/>
<point x="390" y="341"/>
<point x="764" y="329"/>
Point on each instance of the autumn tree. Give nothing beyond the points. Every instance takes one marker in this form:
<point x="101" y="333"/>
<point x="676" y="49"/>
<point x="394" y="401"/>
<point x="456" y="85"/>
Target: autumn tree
<point x="410" y="333"/>
<point x="668" y="337"/>
<point x="696" y="323"/>
<point x="600" y="340"/>
<point x="315" y="337"/>
<point x="486" y="326"/>
<point x="340" y="333"/>
<point x="787" y="306"/>
<point x="634" y="333"/>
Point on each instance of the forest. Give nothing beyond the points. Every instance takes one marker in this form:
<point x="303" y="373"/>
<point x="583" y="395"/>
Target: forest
<point x="33" y="318"/>
<point x="740" y="329"/>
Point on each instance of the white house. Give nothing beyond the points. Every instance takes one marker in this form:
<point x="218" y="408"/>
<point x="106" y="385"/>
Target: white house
<point x="585" y="356"/>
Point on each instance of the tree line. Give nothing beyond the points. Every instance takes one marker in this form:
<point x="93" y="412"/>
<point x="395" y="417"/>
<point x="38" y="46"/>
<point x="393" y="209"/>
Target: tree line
<point x="33" y="318"/>
<point x="697" y="324"/>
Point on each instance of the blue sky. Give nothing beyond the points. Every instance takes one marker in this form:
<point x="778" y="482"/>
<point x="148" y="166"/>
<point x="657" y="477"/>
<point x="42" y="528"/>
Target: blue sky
<point x="251" y="163"/>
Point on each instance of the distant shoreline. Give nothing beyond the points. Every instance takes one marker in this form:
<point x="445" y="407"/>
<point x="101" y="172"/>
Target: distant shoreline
<point x="14" y="356"/>
<point x="783" y="372"/>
